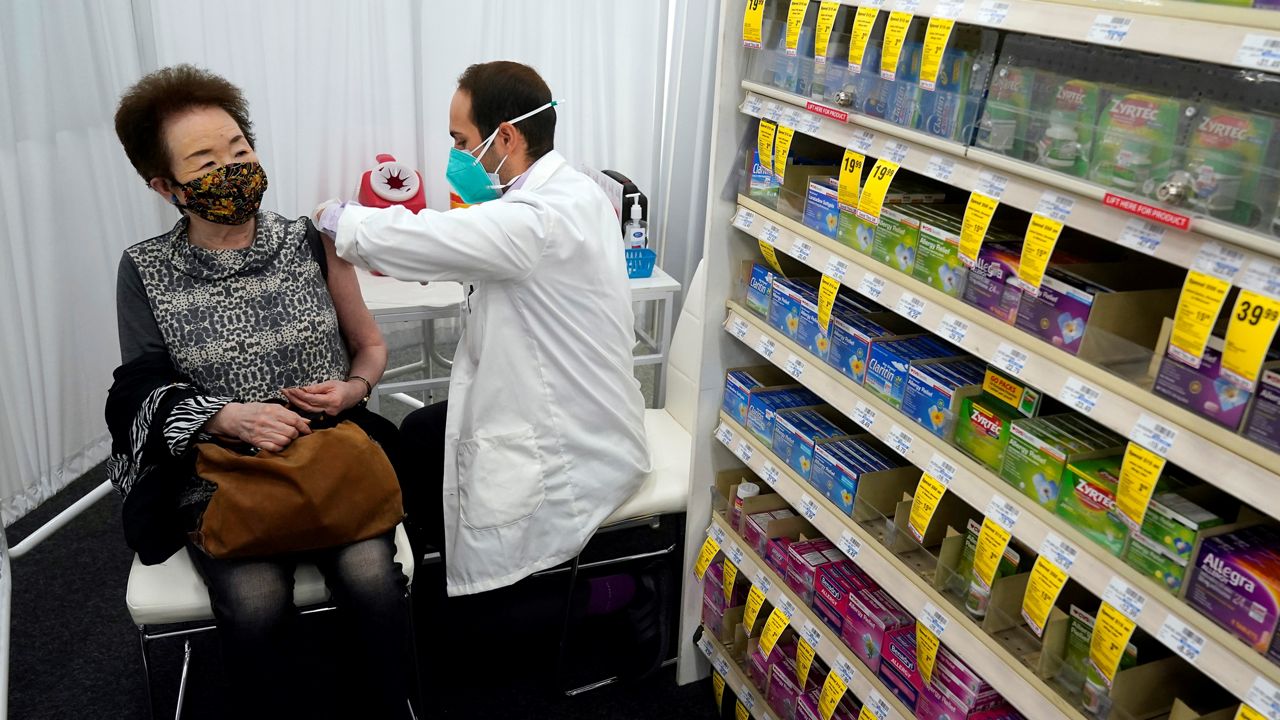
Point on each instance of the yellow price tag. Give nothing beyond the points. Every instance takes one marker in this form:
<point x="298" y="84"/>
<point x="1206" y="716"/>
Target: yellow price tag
<point x="895" y="34"/>
<point x="832" y="690"/>
<point x="1043" y="589"/>
<point x="1042" y="236"/>
<point x="795" y="19"/>
<point x="1249" y="334"/>
<point x="717" y="683"/>
<point x="926" y="651"/>
<point x="1111" y="636"/>
<point x="863" y="22"/>
<point x="827" y="291"/>
<point x="924" y="504"/>
<point x="1198" y="307"/>
<point x="771" y="257"/>
<point x="781" y="149"/>
<point x="730" y="577"/>
<point x="850" y="183"/>
<point x="1138" y="475"/>
<point x="992" y="541"/>
<point x="1247" y="713"/>
<point x="973" y="230"/>
<point x="872" y="199"/>
<point x="753" y="24"/>
<point x="804" y="661"/>
<point x="826" y="21"/>
<point x="708" y="553"/>
<point x="764" y="143"/>
<point x="773" y="628"/>
<point x="936" y="37"/>
<point x="740" y="712"/>
<point x="866" y="714"/>
<point x="755" y="599"/>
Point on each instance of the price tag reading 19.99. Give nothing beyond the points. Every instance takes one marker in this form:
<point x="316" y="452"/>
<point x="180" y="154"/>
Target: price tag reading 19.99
<point x="872" y="199"/>
<point x="753" y="23"/>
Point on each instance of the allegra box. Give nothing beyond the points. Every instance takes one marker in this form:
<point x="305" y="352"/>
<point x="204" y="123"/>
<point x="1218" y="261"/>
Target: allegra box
<point x="1236" y="582"/>
<point x="989" y="287"/>
<point x="1263" y="425"/>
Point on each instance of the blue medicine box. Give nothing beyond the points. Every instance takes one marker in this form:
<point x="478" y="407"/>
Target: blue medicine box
<point x="822" y="206"/>
<point x="931" y="394"/>
<point x="794" y="434"/>
<point x="760" y="289"/>
<point x="738" y="385"/>
<point x="851" y="337"/>
<point x="838" y="465"/>
<point x="765" y="404"/>
<point x="889" y="362"/>
<point x="793" y="310"/>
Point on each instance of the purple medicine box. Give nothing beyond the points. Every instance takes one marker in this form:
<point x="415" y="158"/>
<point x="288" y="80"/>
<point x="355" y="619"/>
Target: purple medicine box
<point x="1236" y="582"/>
<point x="989" y="287"/>
<point x="1061" y="311"/>
<point x="1263" y="425"/>
<point x="1203" y="391"/>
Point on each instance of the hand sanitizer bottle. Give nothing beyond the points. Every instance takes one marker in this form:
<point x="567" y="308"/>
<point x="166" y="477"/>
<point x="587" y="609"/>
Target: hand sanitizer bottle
<point x="636" y="231"/>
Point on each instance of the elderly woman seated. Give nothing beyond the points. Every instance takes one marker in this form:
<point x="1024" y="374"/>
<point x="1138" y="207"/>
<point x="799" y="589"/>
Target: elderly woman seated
<point x="240" y="325"/>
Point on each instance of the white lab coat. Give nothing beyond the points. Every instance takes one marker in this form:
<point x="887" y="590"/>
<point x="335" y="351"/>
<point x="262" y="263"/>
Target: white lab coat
<point x="545" y="433"/>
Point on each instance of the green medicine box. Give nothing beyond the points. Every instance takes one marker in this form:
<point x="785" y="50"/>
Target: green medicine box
<point x="1174" y="522"/>
<point x="1088" y="501"/>
<point x="938" y="262"/>
<point x="1156" y="561"/>
<point x="982" y="429"/>
<point x="895" y="240"/>
<point x="1039" y="451"/>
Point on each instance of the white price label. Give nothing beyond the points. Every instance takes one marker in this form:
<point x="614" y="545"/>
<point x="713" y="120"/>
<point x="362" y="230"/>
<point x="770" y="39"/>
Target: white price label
<point x="745" y="219"/>
<point x="896" y="151"/>
<point x="949" y="9"/>
<point x="993" y="13"/>
<point x="874" y="3"/>
<point x="1055" y="205"/>
<point x="1265" y="698"/>
<point x="721" y="665"/>
<point x="942" y="469"/>
<point x="1003" y="511"/>
<point x="808" y="507"/>
<point x="953" y="328"/>
<point x="724" y="434"/>
<point x="1218" y="260"/>
<point x="794" y="367"/>
<point x="1143" y="236"/>
<point x="1262" y="276"/>
<point x="718" y="533"/>
<point x="879" y="706"/>
<point x="705" y="646"/>
<point x="911" y="306"/>
<point x="746" y="697"/>
<point x="744" y="450"/>
<point x="864" y="415"/>
<point x="1125" y="598"/>
<point x="801" y="250"/>
<point x="809" y="124"/>
<point x="763" y="582"/>
<point x="872" y="286"/>
<point x="811" y="634"/>
<point x="1080" y="395"/>
<point x="739" y="328"/>
<point x="989" y="183"/>
<point x="773" y="111"/>
<point x="1259" y="51"/>
<point x="1153" y="435"/>
<point x="735" y="554"/>
<point x="771" y="233"/>
<point x="900" y="440"/>
<point x="1181" y="638"/>
<point x="753" y="105"/>
<point x="907" y="6"/>
<point x="844" y="669"/>
<point x="1110" y="29"/>
<point x="1062" y="553"/>
<point x="787" y="607"/>
<point x="849" y="545"/>
<point x="791" y="118"/>
<point x="836" y="268"/>
<point x="1011" y="359"/>
<point x="765" y="347"/>
<point x="940" y="168"/>
<point x="934" y="619"/>
<point x="863" y="140"/>
<point x="771" y="473"/>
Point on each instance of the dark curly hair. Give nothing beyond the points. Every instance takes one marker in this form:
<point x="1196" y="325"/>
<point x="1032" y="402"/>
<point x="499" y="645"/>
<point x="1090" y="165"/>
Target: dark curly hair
<point x="503" y="90"/>
<point x="167" y="92"/>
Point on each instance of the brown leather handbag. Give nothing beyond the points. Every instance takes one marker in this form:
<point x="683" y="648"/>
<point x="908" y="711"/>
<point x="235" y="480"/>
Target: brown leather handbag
<point x="332" y="487"/>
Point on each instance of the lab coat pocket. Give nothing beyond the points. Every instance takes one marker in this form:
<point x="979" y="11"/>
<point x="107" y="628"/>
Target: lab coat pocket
<point x="500" y="479"/>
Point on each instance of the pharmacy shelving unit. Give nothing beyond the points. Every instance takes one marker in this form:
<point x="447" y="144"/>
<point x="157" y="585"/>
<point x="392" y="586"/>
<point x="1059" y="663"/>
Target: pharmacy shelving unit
<point x="734" y="337"/>
<point x="749" y="696"/>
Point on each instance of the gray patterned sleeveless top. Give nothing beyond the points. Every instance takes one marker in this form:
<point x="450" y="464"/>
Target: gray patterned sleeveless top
<point x="244" y="323"/>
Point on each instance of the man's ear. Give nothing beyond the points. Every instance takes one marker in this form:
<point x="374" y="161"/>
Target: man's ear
<point x="512" y="140"/>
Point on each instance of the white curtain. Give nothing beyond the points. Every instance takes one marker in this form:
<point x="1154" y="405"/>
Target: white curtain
<point x="331" y="83"/>
<point x="69" y="203"/>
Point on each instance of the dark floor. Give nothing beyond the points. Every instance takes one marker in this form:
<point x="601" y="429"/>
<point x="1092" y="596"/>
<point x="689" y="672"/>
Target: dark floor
<point x="75" y="651"/>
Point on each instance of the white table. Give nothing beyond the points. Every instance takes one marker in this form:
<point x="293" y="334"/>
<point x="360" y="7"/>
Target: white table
<point x="392" y="301"/>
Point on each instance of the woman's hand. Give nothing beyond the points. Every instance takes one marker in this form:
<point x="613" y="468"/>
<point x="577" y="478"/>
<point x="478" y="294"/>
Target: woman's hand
<point x="269" y="426"/>
<point x="330" y="397"/>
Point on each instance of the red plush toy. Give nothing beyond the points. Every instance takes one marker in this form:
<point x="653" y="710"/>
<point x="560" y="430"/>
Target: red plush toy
<point x="392" y="183"/>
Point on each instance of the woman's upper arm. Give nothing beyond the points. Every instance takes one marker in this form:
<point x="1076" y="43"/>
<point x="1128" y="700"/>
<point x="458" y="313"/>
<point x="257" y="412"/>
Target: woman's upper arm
<point x="358" y="325"/>
<point x="135" y="321"/>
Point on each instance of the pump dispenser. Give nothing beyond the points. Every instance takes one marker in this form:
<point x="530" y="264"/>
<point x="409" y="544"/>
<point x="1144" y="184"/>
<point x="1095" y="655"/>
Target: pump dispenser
<point x="636" y="232"/>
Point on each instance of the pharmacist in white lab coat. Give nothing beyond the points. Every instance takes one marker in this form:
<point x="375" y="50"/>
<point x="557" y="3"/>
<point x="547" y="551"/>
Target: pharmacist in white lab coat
<point x="543" y="436"/>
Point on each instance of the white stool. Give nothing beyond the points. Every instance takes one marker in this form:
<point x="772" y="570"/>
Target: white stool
<point x="172" y="593"/>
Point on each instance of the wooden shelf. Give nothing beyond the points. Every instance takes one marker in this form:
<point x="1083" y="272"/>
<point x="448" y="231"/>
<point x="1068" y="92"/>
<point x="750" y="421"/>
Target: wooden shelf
<point x="1223" y="657"/>
<point x="734" y="678"/>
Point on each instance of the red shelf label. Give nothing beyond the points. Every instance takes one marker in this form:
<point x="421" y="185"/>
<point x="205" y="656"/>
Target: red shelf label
<point x="1148" y="212"/>
<point x="825" y="111"/>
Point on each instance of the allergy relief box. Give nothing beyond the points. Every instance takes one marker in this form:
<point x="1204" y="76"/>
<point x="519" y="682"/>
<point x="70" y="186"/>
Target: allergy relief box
<point x="1040" y="448"/>
<point x="1088" y="501"/>
<point x="739" y="383"/>
<point x="1204" y="391"/>
<point x="889" y="363"/>
<point x="1263" y="425"/>
<point x="1236" y="582"/>
<point x="982" y="428"/>
<point x="795" y="431"/>
<point x="765" y="404"/>
<point x="839" y="465"/>
<point x="936" y="390"/>
<point x="938" y="262"/>
<point x="1156" y="561"/>
<point x="895" y="239"/>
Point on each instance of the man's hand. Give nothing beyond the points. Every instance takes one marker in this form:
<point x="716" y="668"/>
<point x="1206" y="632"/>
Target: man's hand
<point x="263" y="425"/>
<point x="330" y="397"/>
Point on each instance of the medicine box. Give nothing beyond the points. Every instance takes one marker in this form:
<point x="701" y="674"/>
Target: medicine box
<point x="1263" y="424"/>
<point x="896" y="237"/>
<point x="1236" y="582"/>
<point x="765" y="404"/>
<point x="739" y="383"/>
<point x="851" y="338"/>
<point x="1156" y="561"/>
<point x="1204" y="390"/>
<point x="989" y="287"/>
<point x="871" y="614"/>
<point x="982" y="429"/>
<point x="898" y="669"/>
<point x="890" y="360"/>
<point x="796" y="430"/>
<point x="1088" y="501"/>
<point x="1176" y="522"/>
<point x="804" y="559"/>
<point x="938" y="262"/>
<point x="760" y="289"/>
<point x="935" y="391"/>
<point x="838" y="465"/>
<point x="822" y="206"/>
<point x="1039" y="450"/>
<point x="756" y="530"/>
